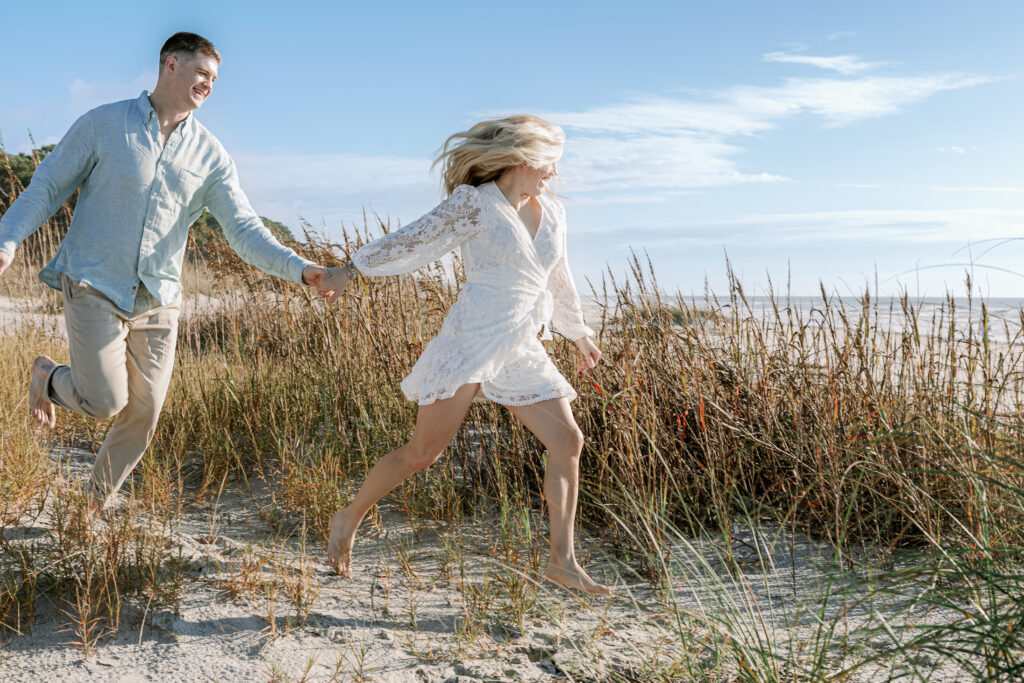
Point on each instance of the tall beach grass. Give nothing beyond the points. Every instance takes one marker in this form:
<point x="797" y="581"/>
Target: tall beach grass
<point x="899" y="446"/>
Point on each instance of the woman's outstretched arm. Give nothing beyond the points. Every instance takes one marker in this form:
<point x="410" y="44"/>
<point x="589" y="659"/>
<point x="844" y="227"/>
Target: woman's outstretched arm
<point x="445" y="227"/>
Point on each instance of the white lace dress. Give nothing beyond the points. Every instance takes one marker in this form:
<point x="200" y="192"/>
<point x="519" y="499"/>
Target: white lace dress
<point x="515" y="287"/>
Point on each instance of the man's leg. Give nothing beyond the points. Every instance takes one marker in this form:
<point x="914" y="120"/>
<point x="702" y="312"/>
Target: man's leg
<point x="95" y="383"/>
<point x="151" y="343"/>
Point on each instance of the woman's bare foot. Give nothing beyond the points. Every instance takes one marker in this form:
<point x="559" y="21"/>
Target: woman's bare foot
<point x="574" y="578"/>
<point x="339" y="544"/>
<point x="38" y="401"/>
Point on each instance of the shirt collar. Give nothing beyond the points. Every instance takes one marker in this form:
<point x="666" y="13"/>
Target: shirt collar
<point x="145" y="108"/>
<point x="147" y="112"/>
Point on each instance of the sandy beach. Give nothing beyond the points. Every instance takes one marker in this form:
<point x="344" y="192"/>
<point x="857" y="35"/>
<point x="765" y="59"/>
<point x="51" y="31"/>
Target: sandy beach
<point x="404" y="615"/>
<point x="442" y="601"/>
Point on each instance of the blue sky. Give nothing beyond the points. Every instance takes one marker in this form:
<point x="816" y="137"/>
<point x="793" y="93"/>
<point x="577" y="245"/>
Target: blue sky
<point x="807" y="141"/>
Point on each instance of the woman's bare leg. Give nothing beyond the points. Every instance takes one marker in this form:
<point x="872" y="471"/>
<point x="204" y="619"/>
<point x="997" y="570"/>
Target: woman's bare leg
<point x="436" y="425"/>
<point x="552" y="422"/>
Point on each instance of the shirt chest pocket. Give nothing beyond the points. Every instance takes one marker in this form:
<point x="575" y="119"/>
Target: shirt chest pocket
<point x="184" y="186"/>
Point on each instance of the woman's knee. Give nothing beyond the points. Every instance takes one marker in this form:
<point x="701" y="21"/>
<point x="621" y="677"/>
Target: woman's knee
<point x="570" y="443"/>
<point x="421" y="455"/>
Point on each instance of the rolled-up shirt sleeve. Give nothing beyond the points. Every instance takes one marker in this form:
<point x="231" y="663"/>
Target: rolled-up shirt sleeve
<point x="56" y="179"/>
<point x="244" y="229"/>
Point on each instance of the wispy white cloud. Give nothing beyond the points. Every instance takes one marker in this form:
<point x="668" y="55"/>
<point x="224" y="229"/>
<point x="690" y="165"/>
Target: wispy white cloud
<point x="955" y="149"/>
<point x="86" y="95"/>
<point x="859" y="186"/>
<point x="978" y="188"/>
<point x="843" y="101"/>
<point x="840" y="34"/>
<point x="335" y="187"/>
<point x="844" y="64"/>
<point x="654" y="160"/>
<point x="635" y="151"/>
<point x="913" y="225"/>
<point x="694" y="142"/>
<point x="639" y="197"/>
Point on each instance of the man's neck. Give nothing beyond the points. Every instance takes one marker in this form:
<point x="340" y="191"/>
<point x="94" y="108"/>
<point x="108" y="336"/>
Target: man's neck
<point x="167" y="113"/>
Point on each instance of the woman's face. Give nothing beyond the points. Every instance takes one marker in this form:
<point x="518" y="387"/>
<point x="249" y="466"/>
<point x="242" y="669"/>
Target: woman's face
<point x="534" y="180"/>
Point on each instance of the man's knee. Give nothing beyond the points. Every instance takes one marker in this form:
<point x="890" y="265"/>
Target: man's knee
<point x="104" y="403"/>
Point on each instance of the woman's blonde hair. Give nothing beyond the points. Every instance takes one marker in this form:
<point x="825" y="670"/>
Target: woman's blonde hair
<point x="485" y="151"/>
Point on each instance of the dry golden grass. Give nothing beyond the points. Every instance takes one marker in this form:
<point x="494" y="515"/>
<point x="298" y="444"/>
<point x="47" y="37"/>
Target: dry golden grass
<point x="700" y="416"/>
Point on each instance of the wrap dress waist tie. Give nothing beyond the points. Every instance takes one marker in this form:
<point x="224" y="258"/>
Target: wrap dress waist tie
<point x="542" y="311"/>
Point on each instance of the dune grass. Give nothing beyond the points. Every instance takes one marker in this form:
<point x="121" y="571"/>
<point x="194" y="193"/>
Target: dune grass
<point x="898" y="446"/>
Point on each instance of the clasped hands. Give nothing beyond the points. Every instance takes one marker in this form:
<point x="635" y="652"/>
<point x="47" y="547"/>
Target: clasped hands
<point x="329" y="282"/>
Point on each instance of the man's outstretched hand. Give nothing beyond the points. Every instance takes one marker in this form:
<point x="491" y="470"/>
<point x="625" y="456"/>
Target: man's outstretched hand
<point x="5" y="261"/>
<point x="314" y="275"/>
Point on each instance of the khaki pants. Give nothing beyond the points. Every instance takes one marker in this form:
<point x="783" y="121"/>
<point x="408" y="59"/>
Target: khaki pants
<point x="120" y="365"/>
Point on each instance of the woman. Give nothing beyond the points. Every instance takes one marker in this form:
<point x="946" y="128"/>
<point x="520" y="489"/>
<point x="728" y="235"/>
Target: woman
<point x="512" y="238"/>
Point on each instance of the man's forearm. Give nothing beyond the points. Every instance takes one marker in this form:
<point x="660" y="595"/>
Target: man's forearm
<point x="257" y="246"/>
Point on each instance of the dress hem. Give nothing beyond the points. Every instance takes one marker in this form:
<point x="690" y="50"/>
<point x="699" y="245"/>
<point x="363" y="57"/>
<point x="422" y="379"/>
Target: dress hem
<point x="515" y="404"/>
<point x="572" y="395"/>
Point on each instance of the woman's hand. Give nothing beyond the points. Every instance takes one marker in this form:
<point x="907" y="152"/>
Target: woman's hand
<point x="591" y="354"/>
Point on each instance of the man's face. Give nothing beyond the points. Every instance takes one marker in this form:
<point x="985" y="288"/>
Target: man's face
<point x="192" y="79"/>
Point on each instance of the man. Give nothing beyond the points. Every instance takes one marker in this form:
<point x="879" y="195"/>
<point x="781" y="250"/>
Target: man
<point x="146" y="168"/>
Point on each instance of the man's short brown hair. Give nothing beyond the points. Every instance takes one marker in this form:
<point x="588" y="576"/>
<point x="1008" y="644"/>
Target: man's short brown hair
<point x="184" y="45"/>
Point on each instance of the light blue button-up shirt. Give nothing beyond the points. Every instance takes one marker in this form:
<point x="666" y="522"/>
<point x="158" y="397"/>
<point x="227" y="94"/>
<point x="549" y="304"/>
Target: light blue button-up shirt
<point x="137" y="201"/>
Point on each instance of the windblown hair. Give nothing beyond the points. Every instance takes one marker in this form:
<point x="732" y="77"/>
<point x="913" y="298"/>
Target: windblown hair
<point x="185" y="46"/>
<point x="485" y="151"/>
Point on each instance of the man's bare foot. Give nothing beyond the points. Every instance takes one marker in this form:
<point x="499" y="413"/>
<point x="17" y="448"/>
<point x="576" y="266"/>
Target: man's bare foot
<point x="339" y="545"/>
<point x="574" y="578"/>
<point x="38" y="401"/>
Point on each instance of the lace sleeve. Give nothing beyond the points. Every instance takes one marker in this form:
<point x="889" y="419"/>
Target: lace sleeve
<point x="567" y="315"/>
<point x="449" y="224"/>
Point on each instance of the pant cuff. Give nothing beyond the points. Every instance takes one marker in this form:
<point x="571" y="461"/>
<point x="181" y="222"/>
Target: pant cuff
<point x="50" y="393"/>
